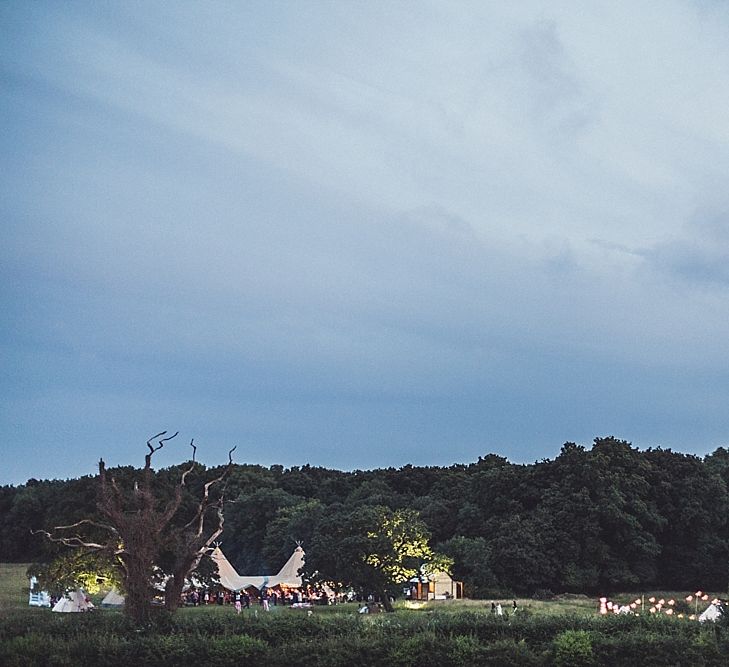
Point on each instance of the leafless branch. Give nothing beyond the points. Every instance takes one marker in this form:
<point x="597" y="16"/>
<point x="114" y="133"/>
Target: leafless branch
<point x="74" y="541"/>
<point x="218" y="530"/>
<point x="199" y="517"/>
<point x="192" y="464"/>
<point x="88" y="522"/>
<point x="152" y="450"/>
<point x="176" y="501"/>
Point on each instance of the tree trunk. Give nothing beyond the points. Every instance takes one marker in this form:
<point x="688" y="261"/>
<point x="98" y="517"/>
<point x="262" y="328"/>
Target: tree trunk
<point x="173" y="592"/>
<point x="137" y="599"/>
<point x="386" y="602"/>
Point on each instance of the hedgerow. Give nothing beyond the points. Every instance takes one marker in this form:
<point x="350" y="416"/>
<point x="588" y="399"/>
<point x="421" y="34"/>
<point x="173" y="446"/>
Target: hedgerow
<point x="402" y="639"/>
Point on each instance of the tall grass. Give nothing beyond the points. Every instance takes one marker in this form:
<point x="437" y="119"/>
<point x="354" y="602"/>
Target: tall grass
<point x="13" y="586"/>
<point x="289" y="637"/>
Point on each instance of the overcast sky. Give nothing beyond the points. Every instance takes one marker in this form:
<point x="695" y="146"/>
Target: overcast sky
<point x="361" y="234"/>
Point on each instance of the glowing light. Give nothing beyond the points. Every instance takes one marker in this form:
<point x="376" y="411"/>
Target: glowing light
<point x="603" y="600"/>
<point x="672" y="602"/>
<point x="652" y="610"/>
<point x="609" y="605"/>
<point x="633" y="605"/>
<point x="689" y="598"/>
<point x="699" y="594"/>
<point x="637" y="601"/>
<point x="661" y="601"/>
<point x="692" y="617"/>
<point x="651" y="600"/>
<point x="715" y="601"/>
<point x="669" y="612"/>
<point x="705" y="597"/>
<point x="680" y="616"/>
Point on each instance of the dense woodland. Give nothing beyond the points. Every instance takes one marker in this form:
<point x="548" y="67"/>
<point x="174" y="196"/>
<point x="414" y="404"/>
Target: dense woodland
<point x="591" y="520"/>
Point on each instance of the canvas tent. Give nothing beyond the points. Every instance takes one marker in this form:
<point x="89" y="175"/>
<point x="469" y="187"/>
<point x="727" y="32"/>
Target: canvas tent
<point x="287" y="577"/>
<point x="113" y="599"/>
<point x="229" y="578"/>
<point x="712" y="613"/>
<point x="73" y="602"/>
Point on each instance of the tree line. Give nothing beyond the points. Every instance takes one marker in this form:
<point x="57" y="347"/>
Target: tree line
<point x="599" y="519"/>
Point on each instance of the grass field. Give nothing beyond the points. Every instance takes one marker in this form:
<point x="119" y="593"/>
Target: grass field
<point x="14" y="595"/>
<point x="566" y="630"/>
<point x="13" y="586"/>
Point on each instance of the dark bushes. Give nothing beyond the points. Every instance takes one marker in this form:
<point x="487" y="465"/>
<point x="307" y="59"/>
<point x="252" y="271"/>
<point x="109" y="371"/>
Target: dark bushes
<point x="402" y="639"/>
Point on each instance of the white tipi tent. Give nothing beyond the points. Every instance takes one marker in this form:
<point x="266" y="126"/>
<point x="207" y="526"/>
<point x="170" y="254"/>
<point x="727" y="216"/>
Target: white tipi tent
<point x="229" y="578"/>
<point x="289" y="574"/>
<point x="75" y="602"/>
<point x="113" y="599"/>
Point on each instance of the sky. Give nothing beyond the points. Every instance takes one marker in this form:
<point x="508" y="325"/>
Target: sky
<point x="361" y="234"/>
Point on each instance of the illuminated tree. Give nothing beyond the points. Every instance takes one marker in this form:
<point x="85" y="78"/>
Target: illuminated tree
<point x="79" y="568"/>
<point x="372" y="549"/>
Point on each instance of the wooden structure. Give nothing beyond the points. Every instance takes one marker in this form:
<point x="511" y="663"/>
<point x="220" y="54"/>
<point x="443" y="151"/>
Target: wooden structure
<point x="436" y="586"/>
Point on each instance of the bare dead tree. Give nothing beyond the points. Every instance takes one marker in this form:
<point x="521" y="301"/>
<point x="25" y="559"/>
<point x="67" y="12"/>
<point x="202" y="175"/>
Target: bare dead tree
<point x="193" y="540"/>
<point x="139" y="528"/>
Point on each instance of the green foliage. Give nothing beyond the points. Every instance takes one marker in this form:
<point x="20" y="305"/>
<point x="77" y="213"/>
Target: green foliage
<point x="371" y="549"/>
<point x="594" y="519"/>
<point x="573" y="648"/>
<point x="334" y="639"/>
<point x="292" y="524"/>
<point x="77" y="568"/>
<point x="246" y="522"/>
<point x="471" y="564"/>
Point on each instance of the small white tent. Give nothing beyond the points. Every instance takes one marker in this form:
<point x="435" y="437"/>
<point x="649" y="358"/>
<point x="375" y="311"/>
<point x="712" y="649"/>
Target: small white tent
<point x="75" y="602"/>
<point x="113" y="599"/>
<point x="712" y="613"/>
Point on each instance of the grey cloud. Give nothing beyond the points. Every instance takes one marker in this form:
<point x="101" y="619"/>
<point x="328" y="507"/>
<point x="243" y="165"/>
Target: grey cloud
<point x="699" y="257"/>
<point x="311" y="224"/>
<point x="559" y="97"/>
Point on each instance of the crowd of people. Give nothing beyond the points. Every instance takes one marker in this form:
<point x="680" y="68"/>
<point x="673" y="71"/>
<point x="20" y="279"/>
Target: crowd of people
<point x="245" y="599"/>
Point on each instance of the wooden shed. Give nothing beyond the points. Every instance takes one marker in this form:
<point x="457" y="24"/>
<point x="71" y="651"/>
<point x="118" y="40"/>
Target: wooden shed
<point x="436" y="586"/>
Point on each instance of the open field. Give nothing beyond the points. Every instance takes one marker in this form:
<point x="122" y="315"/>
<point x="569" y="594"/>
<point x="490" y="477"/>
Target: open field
<point x="13" y="586"/>
<point x="14" y="596"/>
<point x="566" y="630"/>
